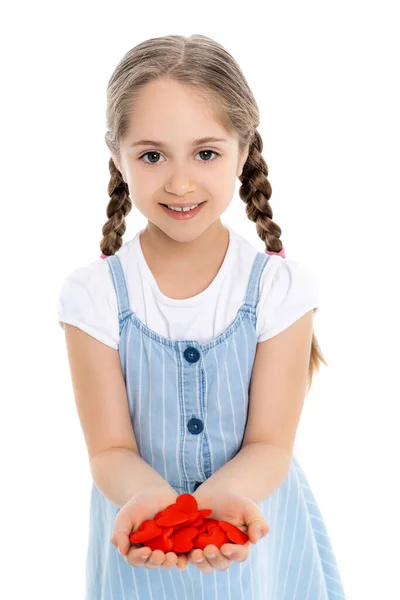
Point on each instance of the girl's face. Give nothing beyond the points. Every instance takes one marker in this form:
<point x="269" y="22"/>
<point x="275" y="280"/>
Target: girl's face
<point x="162" y="164"/>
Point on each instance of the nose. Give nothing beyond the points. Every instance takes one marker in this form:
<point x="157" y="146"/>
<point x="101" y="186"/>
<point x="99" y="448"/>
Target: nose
<point x="180" y="183"/>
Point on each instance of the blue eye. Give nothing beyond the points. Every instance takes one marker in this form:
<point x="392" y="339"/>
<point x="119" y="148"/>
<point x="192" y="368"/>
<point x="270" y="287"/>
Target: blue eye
<point x="155" y="163"/>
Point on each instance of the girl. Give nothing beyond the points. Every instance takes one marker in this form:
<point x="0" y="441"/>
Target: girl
<point x="194" y="372"/>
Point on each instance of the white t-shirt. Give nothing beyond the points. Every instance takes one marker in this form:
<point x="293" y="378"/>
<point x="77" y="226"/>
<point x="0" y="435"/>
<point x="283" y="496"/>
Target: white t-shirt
<point x="87" y="297"/>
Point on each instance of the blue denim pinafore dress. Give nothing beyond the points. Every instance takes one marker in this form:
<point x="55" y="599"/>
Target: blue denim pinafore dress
<point x="188" y="405"/>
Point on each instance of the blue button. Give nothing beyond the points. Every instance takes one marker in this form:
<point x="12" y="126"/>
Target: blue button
<point x="195" y="426"/>
<point x="191" y="354"/>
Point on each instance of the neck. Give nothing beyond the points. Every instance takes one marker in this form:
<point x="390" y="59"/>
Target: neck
<point x="211" y="243"/>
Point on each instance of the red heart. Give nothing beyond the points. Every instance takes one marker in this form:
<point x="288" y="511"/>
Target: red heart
<point x="207" y="525"/>
<point x="188" y="523"/>
<point x="211" y="523"/>
<point x="203" y="513"/>
<point x="182" y="540"/>
<point x="187" y="503"/>
<point x="197" y="522"/>
<point x="167" y="531"/>
<point x="172" y="516"/>
<point x="217" y="537"/>
<point x="162" y="542"/>
<point x="236" y="535"/>
<point x="202" y="528"/>
<point x="147" y="531"/>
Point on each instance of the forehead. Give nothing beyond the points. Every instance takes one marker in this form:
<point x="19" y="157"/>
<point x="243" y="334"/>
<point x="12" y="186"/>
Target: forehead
<point x="170" y="111"/>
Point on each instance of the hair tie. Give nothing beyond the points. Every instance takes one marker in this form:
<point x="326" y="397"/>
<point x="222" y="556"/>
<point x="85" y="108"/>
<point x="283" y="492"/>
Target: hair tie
<point x="281" y="253"/>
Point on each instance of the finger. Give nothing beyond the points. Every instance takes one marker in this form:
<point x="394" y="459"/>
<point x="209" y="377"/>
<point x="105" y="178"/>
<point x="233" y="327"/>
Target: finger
<point x="170" y="561"/>
<point x="236" y="552"/>
<point x="131" y="547"/>
<point x="182" y="561"/>
<point x="155" y="560"/>
<point x="198" y="559"/>
<point x="145" y="551"/>
<point x="136" y="557"/>
<point x="216" y="558"/>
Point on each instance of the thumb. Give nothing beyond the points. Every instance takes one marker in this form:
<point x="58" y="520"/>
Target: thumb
<point x="120" y="539"/>
<point x="257" y="526"/>
<point x="257" y="529"/>
<point x="125" y="522"/>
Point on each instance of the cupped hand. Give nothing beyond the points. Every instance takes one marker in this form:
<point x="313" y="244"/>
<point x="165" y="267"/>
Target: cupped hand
<point x="219" y="558"/>
<point x="140" y="508"/>
<point x="238" y="510"/>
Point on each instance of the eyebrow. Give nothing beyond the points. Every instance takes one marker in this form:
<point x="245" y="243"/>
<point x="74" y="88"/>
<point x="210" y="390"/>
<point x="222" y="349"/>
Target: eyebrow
<point x="164" y="145"/>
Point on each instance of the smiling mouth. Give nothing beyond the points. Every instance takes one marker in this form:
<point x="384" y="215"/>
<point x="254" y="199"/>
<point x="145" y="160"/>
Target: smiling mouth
<point x="187" y="205"/>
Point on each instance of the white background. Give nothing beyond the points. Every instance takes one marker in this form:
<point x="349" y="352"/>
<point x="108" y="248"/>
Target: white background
<point x="326" y="78"/>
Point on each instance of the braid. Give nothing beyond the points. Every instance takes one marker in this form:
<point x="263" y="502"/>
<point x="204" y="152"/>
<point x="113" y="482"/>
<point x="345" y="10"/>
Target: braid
<point x="256" y="191"/>
<point x="118" y="207"/>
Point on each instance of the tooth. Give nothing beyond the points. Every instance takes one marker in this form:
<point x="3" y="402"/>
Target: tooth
<point x="183" y="209"/>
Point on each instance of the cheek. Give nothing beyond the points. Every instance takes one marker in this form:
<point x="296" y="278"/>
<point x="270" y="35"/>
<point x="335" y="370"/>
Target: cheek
<point x="142" y="186"/>
<point x="223" y="186"/>
<point x="219" y="180"/>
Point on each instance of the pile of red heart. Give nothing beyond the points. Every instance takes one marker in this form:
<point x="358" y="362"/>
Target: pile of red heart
<point x="181" y="527"/>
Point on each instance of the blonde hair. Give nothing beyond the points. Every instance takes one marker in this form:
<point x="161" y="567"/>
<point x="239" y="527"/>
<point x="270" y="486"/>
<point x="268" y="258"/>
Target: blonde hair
<point x="200" y="62"/>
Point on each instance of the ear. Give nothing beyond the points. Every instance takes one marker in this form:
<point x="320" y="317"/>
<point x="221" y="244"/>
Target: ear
<point x="242" y="159"/>
<point x="117" y="165"/>
<point x="115" y="161"/>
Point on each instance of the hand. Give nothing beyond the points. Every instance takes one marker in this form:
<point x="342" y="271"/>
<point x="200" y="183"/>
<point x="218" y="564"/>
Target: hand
<point x="140" y="508"/>
<point x="234" y="508"/>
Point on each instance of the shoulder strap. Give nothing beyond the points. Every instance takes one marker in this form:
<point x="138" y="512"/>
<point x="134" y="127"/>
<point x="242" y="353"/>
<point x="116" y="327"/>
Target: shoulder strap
<point x="253" y="288"/>
<point x="119" y="283"/>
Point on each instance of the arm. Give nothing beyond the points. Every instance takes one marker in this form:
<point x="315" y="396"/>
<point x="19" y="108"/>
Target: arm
<point x="101" y="400"/>
<point x="278" y="386"/>
<point x="256" y="471"/>
<point x="120" y="474"/>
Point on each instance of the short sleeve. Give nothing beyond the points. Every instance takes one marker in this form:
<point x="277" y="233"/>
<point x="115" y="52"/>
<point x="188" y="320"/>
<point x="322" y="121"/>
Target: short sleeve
<point x="288" y="290"/>
<point x="87" y="300"/>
